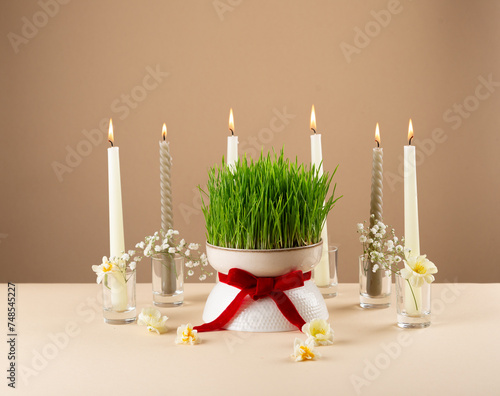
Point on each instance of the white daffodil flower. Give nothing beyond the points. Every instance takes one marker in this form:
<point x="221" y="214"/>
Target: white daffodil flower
<point x="319" y="331"/>
<point x="152" y="318"/>
<point x="186" y="335"/>
<point x="304" y="350"/>
<point x="418" y="269"/>
<point x="107" y="267"/>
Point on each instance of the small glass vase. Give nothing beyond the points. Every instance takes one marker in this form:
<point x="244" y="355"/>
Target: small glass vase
<point x="374" y="287"/>
<point x="413" y="304"/>
<point x="168" y="279"/>
<point x="118" y="298"/>
<point x="328" y="281"/>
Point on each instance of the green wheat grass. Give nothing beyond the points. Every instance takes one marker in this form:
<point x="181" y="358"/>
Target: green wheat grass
<point x="272" y="203"/>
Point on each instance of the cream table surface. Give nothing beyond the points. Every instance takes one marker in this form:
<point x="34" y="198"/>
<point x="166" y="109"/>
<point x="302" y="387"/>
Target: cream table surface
<point x="64" y="348"/>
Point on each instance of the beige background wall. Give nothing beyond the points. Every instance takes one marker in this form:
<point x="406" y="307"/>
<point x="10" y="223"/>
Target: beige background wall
<point x="85" y="61"/>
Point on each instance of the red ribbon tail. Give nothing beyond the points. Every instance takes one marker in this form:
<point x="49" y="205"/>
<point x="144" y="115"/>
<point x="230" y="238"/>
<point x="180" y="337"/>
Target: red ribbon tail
<point x="287" y="308"/>
<point x="225" y="316"/>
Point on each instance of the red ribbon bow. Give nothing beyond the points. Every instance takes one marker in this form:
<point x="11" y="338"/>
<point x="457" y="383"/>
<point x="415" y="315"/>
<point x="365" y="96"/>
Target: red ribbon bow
<point x="257" y="288"/>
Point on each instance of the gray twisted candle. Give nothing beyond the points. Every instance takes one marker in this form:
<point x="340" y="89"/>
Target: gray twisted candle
<point x="374" y="279"/>
<point x="168" y="273"/>
<point x="165" y="184"/>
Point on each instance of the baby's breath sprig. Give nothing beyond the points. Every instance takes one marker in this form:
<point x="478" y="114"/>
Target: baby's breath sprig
<point x="381" y="245"/>
<point x="166" y="242"/>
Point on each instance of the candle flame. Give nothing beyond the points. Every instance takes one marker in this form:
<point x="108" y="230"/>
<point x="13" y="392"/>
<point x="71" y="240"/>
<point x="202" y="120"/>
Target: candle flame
<point x="111" y="137"/>
<point x="164" y="131"/>
<point x="313" y="119"/>
<point x="410" y="132"/>
<point x="231" y="121"/>
<point x="377" y="135"/>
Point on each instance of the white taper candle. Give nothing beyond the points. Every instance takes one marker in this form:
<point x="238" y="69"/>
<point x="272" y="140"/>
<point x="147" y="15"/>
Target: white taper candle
<point x="322" y="270"/>
<point x="116" y="233"/>
<point x="412" y="238"/>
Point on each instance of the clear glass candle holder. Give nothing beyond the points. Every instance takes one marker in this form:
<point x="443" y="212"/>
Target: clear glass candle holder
<point x="413" y="304"/>
<point x="168" y="279"/>
<point x="327" y="281"/>
<point x="118" y="297"/>
<point x="374" y="287"/>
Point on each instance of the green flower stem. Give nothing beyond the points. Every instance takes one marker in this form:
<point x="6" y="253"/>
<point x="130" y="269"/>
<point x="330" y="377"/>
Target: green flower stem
<point x="413" y="294"/>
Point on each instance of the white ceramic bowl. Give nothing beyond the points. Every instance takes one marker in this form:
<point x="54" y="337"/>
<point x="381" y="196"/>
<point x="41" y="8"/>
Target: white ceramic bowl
<point x="263" y="315"/>
<point x="265" y="262"/>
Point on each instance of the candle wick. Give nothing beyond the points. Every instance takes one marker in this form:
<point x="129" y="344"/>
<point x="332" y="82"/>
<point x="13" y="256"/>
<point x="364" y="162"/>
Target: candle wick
<point x="314" y="130"/>
<point x="409" y="141"/>
<point x="378" y="144"/>
<point x="111" y="142"/>
<point x="163" y="137"/>
<point x="232" y="132"/>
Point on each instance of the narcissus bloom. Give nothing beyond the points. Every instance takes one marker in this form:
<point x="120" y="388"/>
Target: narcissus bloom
<point x="152" y="318"/>
<point x="319" y="331"/>
<point x="304" y="350"/>
<point x="186" y="335"/>
<point x="418" y="269"/>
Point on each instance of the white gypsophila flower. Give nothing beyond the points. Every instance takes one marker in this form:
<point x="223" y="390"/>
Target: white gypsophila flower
<point x="196" y="264"/>
<point x="182" y="243"/>
<point x="378" y="235"/>
<point x="375" y="268"/>
<point x="303" y="351"/>
<point x="152" y="318"/>
<point x="202" y="277"/>
<point x="395" y="239"/>
<point x="374" y="230"/>
<point x="320" y="331"/>
<point x="369" y="240"/>
<point x="131" y="253"/>
<point x="126" y="256"/>
<point x="157" y="248"/>
<point x="186" y="335"/>
<point x="377" y="244"/>
<point x="397" y="259"/>
<point x="190" y="272"/>
<point x="362" y="238"/>
<point x="399" y="249"/>
<point x="389" y="244"/>
<point x="187" y="252"/>
<point x="189" y="264"/>
<point x="193" y="246"/>
<point x="169" y="233"/>
<point x="418" y="269"/>
<point x="172" y="250"/>
<point x="361" y="226"/>
<point x="132" y="265"/>
<point x="140" y="245"/>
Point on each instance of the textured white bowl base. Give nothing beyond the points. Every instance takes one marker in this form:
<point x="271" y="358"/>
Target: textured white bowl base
<point x="263" y="315"/>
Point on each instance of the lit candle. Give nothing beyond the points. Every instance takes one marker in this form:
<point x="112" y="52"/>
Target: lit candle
<point x="116" y="235"/>
<point x="232" y="144"/>
<point x="322" y="270"/>
<point x="410" y="193"/>
<point x="374" y="279"/>
<point x="167" y="270"/>
<point x="412" y="241"/>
